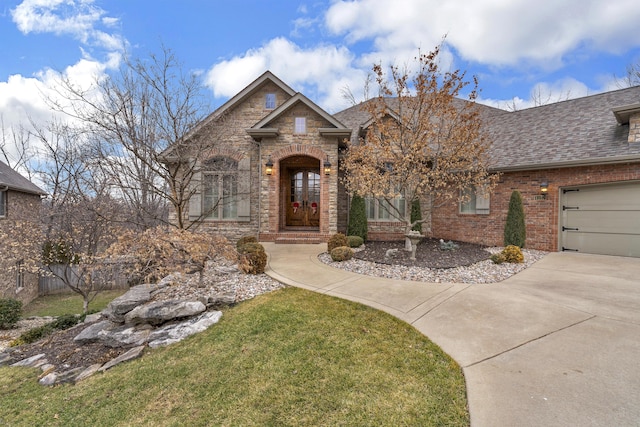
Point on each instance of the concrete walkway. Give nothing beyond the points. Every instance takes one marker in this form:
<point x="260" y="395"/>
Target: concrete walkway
<point x="556" y="345"/>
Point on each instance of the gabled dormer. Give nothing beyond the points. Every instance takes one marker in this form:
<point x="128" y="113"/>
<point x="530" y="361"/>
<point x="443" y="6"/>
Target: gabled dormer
<point x="629" y="114"/>
<point x="270" y="126"/>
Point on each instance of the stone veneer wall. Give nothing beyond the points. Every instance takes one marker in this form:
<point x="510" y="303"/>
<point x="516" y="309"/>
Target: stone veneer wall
<point x="286" y="145"/>
<point x="541" y="215"/>
<point x="228" y="137"/>
<point x="634" y="128"/>
<point x="20" y="207"/>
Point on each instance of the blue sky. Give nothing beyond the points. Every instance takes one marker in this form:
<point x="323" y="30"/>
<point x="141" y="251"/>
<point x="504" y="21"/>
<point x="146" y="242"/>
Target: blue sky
<point x="553" y="49"/>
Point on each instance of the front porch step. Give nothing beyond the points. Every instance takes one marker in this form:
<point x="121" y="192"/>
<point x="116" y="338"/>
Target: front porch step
<point x="298" y="240"/>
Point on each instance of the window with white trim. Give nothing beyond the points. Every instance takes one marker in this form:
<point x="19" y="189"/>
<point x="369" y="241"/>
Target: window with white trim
<point x="474" y="201"/>
<point x="381" y="209"/>
<point x="300" y="125"/>
<point x="270" y="101"/>
<point x="220" y="188"/>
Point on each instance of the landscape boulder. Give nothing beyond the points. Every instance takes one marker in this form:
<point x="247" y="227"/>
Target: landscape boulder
<point x="171" y="334"/>
<point x="134" y="297"/>
<point x="157" y="313"/>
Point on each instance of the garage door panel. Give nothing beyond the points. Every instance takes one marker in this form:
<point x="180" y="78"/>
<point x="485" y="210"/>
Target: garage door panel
<point x="603" y="219"/>
<point x="601" y="243"/>
<point x="603" y="196"/>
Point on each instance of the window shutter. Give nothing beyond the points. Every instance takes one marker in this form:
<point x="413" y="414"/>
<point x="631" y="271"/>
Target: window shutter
<point x="195" y="201"/>
<point x="244" y="189"/>
<point x="482" y="201"/>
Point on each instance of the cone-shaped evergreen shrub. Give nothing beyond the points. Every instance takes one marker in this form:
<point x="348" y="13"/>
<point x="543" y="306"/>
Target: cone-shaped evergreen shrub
<point x="515" y="232"/>
<point x="416" y="215"/>
<point x="357" y="218"/>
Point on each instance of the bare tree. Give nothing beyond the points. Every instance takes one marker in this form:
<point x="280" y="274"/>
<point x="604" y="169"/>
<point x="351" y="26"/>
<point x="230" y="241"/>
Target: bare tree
<point x="631" y="77"/>
<point x="421" y="141"/>
<point x="80" y="216"/>
<point x="350" y="97"/>
<point x="15" y="148"/>
<point x="138" y="121"/>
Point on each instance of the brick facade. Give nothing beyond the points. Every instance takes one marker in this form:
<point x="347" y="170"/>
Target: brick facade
<point x="21" y="207"/>
<point x="541" y="215"/>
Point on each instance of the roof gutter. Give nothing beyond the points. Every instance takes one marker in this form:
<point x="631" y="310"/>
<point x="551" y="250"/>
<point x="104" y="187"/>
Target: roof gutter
<point x="569" y="164"/>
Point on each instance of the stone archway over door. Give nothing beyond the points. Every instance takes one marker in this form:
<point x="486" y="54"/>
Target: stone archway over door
<point x="300" y="193"/>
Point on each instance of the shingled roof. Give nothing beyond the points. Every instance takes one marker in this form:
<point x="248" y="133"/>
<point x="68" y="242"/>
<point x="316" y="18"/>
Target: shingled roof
<point x="581" y="131"/>
<point x="14" y="181"/>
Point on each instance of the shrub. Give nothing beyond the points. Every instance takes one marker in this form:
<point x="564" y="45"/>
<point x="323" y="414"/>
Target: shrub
<point x="10" y="311"/>
<point x="416" y="215"/>
<point x="341" y="253"/>
<point x="357" y="218"/>
<point x="245" y="239"/>
<point x="336" y="241"/>
<point x="498" y="258"/>
<point x="63" y="322"/>
<point x="158" y="252"/>
<point x="66" y="321"/>
<point x="513" y="254"/>
<point x="515" y="232"/>
<point x="252" y="258"/>
<point x="448" y="246"/>
<point x="354" y="241"/>
<point x="33" y="335"/>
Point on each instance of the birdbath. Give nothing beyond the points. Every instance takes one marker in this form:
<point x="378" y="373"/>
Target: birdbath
<point x="414" y="237"/>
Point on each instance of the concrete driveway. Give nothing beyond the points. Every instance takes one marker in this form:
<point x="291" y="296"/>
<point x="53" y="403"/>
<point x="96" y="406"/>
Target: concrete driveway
<point x="556" y="345"/>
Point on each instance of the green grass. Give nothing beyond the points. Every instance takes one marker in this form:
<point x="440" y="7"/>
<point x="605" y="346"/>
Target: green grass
<point x="68" y="303"/>
<point x="288" y="358"/>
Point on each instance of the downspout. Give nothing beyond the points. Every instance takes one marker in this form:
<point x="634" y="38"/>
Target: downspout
<point x="259" y="189"/>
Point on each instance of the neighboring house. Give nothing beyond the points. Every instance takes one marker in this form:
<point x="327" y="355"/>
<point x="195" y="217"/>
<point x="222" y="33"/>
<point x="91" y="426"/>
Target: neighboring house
<point x="276" y="174"/>
<point x="19" y="211"/>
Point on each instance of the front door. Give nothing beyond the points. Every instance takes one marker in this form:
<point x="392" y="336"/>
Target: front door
<point x="303" y="198"/>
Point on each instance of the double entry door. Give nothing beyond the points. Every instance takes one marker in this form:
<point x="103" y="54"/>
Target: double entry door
<point x="302" y="201"/>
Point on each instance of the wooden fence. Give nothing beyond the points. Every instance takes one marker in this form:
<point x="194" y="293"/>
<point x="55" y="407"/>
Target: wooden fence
<point x="113" y="278"/>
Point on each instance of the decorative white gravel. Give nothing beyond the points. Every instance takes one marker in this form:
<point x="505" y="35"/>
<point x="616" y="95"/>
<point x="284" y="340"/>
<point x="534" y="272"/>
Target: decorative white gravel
<point x="480" y="272"/>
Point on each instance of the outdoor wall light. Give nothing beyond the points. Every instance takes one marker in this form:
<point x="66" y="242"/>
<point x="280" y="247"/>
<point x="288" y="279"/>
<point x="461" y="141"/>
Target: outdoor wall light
<point x="268" y="167"/>
<point x="327" y="166"/>
<point x="544" y="188"/>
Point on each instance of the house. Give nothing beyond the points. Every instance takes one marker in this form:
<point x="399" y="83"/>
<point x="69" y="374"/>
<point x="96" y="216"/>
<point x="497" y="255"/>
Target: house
<point x="276" y="173"/>
<point x="19" y="211"/>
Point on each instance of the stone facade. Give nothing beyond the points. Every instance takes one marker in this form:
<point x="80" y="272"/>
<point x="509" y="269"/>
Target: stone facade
<point x="634" y="128"/>
<point x="234" y="133"/>
<point x="21" y="208"/>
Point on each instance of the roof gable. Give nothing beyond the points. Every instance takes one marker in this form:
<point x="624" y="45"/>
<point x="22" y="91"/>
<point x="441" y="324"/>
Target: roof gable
<point x="245" y="93"/>
<point x="241" y="96"/>
<point x="12" y="180"/>
<point x="261" y="128"/>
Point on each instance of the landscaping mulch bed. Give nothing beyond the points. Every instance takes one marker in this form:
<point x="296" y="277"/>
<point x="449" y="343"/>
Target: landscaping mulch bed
<point x="428" y="254"/>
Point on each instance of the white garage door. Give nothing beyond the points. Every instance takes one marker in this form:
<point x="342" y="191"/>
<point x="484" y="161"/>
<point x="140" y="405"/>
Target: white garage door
<point x="601" y="219"/>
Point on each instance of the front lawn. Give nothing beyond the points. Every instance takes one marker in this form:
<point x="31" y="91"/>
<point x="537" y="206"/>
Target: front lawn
<point x="287" y="358"/>
<point x="68" y="303"/>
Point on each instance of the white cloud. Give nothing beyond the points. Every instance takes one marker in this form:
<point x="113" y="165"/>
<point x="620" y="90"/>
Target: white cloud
<point x="22" y="98"/>
<point x="314" y="72"/>
<point x="544" y="93"/>
<point x="489" y="31"/>
<point x="78" y="18"/>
